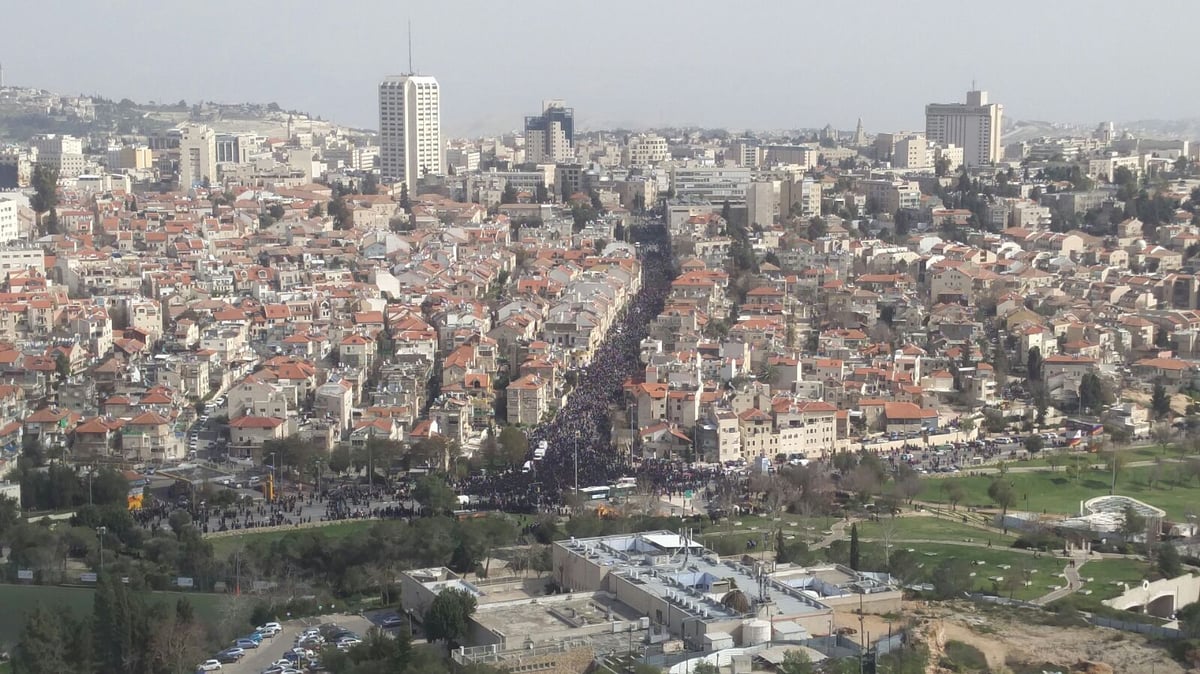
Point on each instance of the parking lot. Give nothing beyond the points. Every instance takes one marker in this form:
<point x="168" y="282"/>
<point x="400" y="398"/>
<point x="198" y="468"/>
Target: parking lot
<point x="273" y="649"/>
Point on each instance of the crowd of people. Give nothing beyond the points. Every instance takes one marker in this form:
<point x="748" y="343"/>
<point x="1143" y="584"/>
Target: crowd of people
<point x="578" y="440"/>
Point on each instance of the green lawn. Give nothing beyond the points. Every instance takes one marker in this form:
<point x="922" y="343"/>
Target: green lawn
<point x="1108" y="574"/>
<point x="225" y="545"/>
<point x="20" y="600"/>
<point x="1043" y="571"/>
<point x="1056" y="492"/>
<point x="931" y="529"/>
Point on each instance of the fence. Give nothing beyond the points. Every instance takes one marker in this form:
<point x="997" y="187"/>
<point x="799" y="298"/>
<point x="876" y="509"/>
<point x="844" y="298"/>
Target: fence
<point x="1156" y="631"/>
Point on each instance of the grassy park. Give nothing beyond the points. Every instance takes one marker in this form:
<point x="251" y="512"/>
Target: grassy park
<point x="223" y="546"/>
<point x="1106" y="577"/>
<point x="1061" y="491"/>
<point x="931" y="529"/>
<point x="987" y="564"/>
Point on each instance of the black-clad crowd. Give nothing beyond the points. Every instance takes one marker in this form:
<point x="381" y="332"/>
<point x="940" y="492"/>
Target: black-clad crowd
<point x="578" y="440"/>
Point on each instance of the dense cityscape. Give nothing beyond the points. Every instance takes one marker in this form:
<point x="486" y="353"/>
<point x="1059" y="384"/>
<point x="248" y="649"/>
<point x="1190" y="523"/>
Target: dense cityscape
<point x="280" y="395"/>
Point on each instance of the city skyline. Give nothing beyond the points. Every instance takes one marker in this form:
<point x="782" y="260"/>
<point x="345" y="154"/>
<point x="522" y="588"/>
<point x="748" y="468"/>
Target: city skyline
<point x="875" y="70"/>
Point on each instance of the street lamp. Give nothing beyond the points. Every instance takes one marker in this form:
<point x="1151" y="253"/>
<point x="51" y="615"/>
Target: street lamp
<point x="100" y="531"/>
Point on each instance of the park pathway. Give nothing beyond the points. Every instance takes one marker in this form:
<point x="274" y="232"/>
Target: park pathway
<point x="1073" y="583"/>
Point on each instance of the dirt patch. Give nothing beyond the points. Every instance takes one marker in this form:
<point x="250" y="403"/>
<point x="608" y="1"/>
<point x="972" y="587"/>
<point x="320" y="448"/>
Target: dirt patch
<point x="1179" y="401"/>
<point x="1012" y="640"/>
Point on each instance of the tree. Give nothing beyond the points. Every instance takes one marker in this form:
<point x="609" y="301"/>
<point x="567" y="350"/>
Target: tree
<point x="941" y="167"/>
<point x="1033" y="364"/>
<point x="446" y="619"/>
<point x="432" y="492"/>
<point x="952" y="577"/>
<point x="954" y="492"/>
<point x="817" y="228"/>
<point x="42" y="646"/>
<point x="514" y="445"/>
<point x="1132" y="523"/>
<point x="855" y="553"/>
<point x="1168" y="562"/>
<point x="342" y="213"/>
<point x="1002" y="494"/>
<point x="1092" y="395"/>
<point x="45" y="190"/>
<point x="405" y="202"/>
<point x="339" y="459"/>
<point x="509" y="195"/>
<point x="113" y="618"/>
<point x="582" y="214"/>
<point x="706" y="668"/>
<point x="907" y="483"/>
<point x="370" y="184"/>
<point x="796" y="662"/>
<point x="1034" y="444"/>
<point x="1160" y="402"/>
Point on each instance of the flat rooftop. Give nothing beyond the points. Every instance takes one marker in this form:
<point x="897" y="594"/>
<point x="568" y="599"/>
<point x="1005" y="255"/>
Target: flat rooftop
<point x="544" y="618"/>
<point x="687" y="575"/>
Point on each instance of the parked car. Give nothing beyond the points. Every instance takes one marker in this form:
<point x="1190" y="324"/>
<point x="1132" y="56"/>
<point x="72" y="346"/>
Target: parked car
<point x="209" y="666"/>
<point x="231" y="655"/>
<point x="246" y="644"/>
<point x="391" y="622"/>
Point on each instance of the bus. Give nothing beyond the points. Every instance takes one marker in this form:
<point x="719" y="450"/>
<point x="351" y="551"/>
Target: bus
<point x="623" y="488"/>
<point x="594" y="493"/>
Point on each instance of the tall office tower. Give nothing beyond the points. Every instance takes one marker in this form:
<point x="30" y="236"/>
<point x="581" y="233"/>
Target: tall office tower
<point x="197" y="155"/>
<point x="550" y="137"/>
<point x="975" y="127"/>
<point x="410" y="128"/>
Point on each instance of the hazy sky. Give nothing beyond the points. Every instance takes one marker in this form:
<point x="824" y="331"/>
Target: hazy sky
<point x="735" y="64"/>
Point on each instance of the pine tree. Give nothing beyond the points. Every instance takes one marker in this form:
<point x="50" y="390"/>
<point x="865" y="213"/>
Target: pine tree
<point x="854" y="551"/>
<point x="42" y="646"/>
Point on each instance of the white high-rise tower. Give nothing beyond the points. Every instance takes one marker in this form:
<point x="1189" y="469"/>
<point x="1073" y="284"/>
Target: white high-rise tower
<point x="975" y="127"/>
<point x="410" y="128"/>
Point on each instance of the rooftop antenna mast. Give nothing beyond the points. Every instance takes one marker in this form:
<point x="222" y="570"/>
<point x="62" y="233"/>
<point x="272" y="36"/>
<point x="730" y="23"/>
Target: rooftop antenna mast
<point x="410" y="61"/>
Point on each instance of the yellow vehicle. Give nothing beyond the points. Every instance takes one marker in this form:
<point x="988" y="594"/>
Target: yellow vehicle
<point x="268" y="488"/>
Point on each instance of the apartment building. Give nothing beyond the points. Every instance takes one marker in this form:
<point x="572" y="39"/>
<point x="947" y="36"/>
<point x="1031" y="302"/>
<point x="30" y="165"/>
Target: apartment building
<point x="645" y="150"/>
<point x="714" y="184"/>
<point x="410" y="128"/>
<point x="60" y="152"/>
<point x="550" y="136"/>
<point x="197" y="155"/>
<point x="889" y="196"/>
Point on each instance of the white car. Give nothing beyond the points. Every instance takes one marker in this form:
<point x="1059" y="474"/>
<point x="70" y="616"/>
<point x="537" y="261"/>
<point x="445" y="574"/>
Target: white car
<point x="269" y="630"/>
<point x="209" y="666"/>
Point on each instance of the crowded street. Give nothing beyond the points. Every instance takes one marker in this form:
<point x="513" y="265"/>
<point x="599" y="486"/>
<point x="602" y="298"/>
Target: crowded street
<point x="578" y="438"/>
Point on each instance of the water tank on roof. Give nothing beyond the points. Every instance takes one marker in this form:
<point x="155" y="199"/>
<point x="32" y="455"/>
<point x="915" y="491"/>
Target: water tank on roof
<point x="755" y="632"/>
